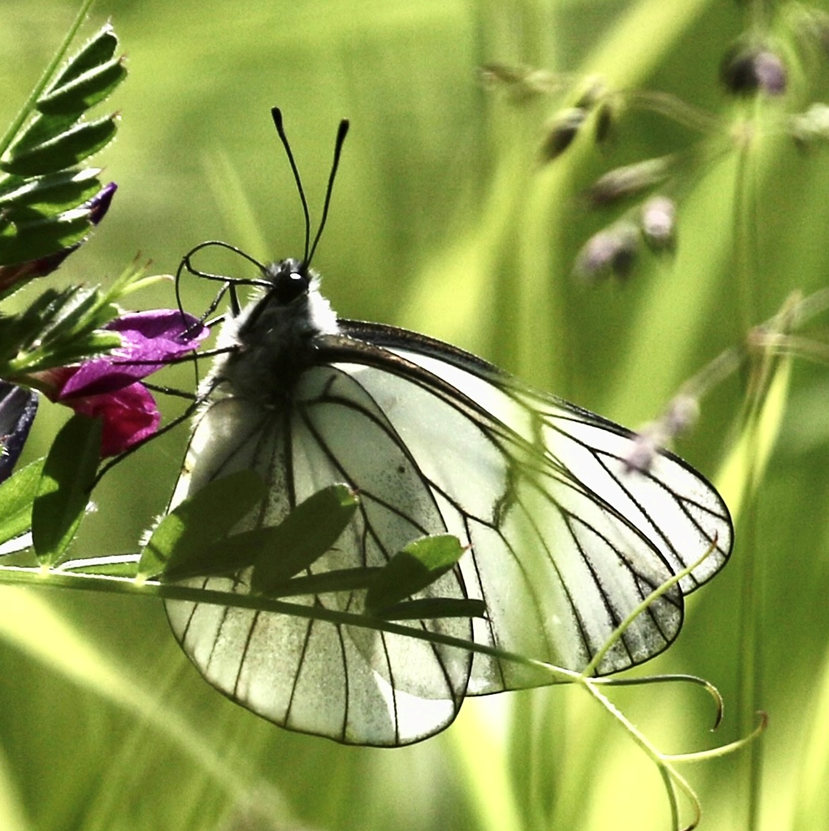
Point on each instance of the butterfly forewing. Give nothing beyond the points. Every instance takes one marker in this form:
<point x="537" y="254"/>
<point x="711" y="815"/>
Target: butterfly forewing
<point x="351" y="683"/>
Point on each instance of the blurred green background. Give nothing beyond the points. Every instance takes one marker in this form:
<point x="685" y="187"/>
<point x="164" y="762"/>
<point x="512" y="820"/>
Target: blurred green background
<point x="442" y="221"/>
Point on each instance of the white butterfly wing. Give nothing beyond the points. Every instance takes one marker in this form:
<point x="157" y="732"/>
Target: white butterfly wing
<point x="348" y="683"/>
<point x="564" y="540"/>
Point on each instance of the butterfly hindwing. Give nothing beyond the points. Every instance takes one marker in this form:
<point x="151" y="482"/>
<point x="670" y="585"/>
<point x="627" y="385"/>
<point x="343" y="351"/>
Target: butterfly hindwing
<point x="571" y="537"/>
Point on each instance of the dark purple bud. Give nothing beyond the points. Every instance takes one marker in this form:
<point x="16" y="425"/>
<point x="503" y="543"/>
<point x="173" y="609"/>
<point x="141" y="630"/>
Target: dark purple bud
<point x="748" y="70"/>
<point x="561" y="131"/>
<point x="612" y="251"/>
<point x="99" y="204"/>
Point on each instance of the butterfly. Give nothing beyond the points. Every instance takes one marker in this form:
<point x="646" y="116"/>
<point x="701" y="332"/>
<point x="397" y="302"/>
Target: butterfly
<point x="563" y="538"/>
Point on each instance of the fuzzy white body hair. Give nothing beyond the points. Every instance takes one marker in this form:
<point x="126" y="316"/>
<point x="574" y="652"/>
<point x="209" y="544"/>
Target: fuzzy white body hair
<point x="268" y="343"/>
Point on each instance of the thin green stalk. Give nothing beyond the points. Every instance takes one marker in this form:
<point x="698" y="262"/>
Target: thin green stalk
<point x="747" y="273"/>
<point x="19" y="575"/>
<point x="745" y="264"/>
<point x="41" y="85"/>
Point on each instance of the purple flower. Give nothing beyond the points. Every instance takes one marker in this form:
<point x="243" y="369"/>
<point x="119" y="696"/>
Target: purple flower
<point x="109" y="387"/>
<point x="149" y="341"/>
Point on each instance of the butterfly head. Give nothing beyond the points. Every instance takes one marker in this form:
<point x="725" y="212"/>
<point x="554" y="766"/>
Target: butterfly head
<point x="290" y="280"/>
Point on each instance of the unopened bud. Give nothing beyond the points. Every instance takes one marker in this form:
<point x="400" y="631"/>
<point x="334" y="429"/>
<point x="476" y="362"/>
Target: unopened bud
<point x="561" y="132"/>
<point x="748" y="70"/>
<point x="659" y="223"/>
<point x="605" y="121"/>
<point x="628" y="180"/>
<point x="643" y="450"/>
<point x="612" y="251"/>
<point x="813" y="125"/>
<point x="681" y="415"/>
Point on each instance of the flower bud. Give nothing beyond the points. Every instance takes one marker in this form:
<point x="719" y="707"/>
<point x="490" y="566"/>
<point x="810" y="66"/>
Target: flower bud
<point x="605" y="122"/>
<point x="659" y="223"/>
<point x="611" y="251"/>
<point x="561" y="132"/>
<point x="17" y="411"/>
<point x="628" y="180"/>
<point x="748" y="70"/>
<point x="813" y="125"/>
<point x="681" y="415"/>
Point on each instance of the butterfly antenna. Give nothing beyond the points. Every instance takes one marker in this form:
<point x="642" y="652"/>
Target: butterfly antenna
<point x="276" y="113"/>
<point x="342" y="132"/>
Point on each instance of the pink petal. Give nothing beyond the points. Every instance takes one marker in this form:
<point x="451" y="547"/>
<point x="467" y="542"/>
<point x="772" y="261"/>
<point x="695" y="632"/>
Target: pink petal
<point x="130" y="415"/>
<point x="150" y="340"/>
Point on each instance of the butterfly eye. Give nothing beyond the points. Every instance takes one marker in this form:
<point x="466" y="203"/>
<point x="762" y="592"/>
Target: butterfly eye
<point x="288" y="285"/>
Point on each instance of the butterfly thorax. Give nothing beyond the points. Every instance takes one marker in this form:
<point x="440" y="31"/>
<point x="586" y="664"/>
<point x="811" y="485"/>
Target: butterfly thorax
<point x="271" y="340"/>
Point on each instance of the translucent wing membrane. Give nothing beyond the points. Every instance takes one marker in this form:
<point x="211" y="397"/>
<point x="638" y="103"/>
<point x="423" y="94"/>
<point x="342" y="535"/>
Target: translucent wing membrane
<point x="349" y="683"/>
<point x="564" y="540"/>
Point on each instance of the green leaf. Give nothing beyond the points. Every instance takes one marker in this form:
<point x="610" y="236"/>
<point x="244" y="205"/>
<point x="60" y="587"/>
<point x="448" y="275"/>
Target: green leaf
<point x="58" y="328"/>
<point x="308" y="531"/>
<point x="61" y="151"/>
<point x="17" y="494"/>
<point x="85" y="91"/>
<point x="326" y="582"/>
<point x="98" y="50"/>
<point x="180" y="540"/>
<point x="51" y="194"/>
<point x="64" y="488"/>
<point x="23" y="242"/>
<point x="40" y="129"/>
<point x="224" y="556"/>
<point x="418" y="565"/>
